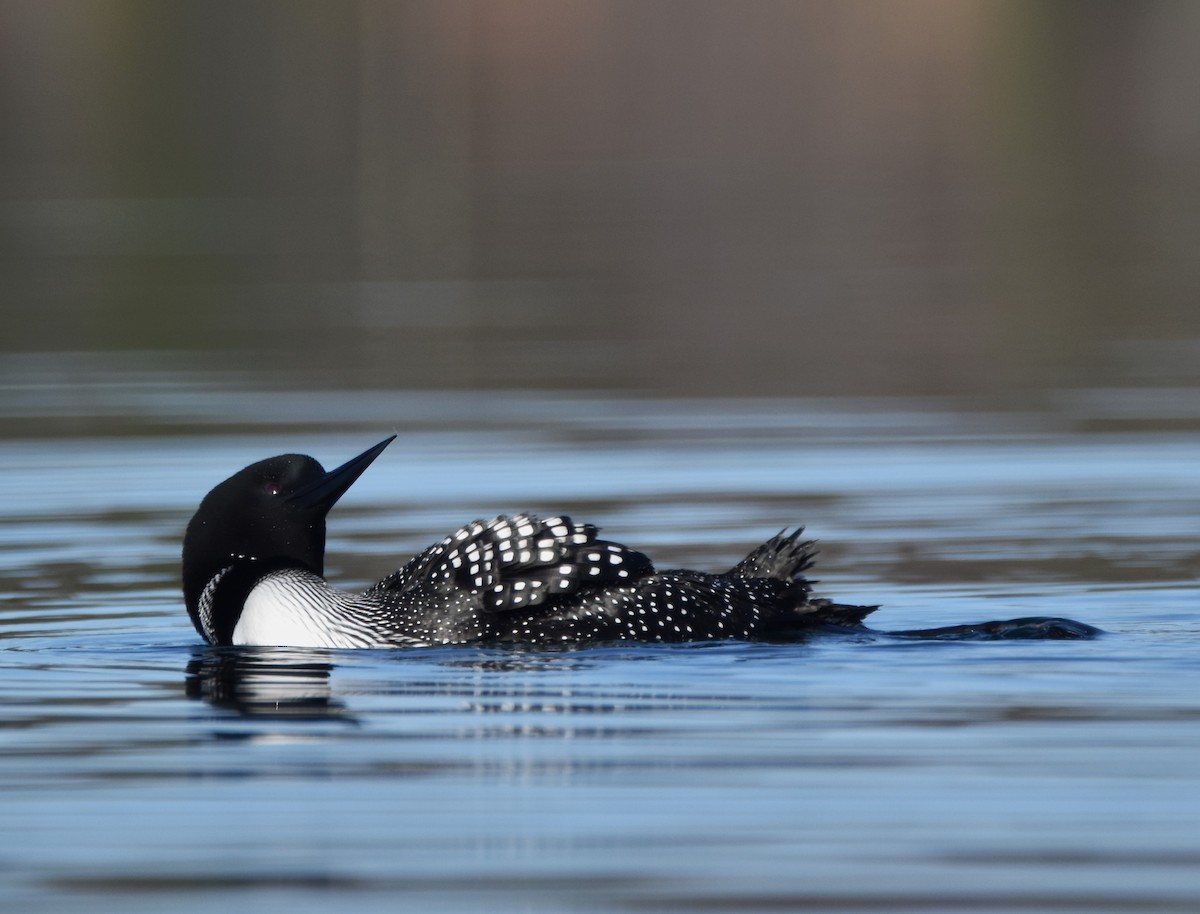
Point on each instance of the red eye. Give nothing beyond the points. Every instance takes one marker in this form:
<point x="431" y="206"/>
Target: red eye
<point x="271" y="487"/>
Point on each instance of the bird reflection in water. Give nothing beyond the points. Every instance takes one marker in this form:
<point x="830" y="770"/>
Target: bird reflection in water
<point x="281" y="684"/>
<point x="497" y="692"/>
<point x="295" y="684"/>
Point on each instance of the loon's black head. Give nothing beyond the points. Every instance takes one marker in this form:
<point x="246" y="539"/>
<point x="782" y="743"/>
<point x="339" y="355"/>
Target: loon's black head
<point x="271" y="514"/>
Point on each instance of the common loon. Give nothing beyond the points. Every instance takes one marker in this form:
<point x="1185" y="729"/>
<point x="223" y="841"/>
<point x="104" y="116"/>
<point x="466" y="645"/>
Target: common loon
<point x="254" y="555"/>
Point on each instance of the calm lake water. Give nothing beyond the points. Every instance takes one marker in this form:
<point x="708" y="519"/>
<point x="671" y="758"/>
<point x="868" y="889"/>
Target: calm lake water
<point x="142" y="771"/>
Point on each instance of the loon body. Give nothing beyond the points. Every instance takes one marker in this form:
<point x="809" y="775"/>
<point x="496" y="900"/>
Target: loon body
<point x="253" y="566"/>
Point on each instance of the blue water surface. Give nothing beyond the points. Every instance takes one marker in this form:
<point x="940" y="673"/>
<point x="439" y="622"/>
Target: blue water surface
<point x="143" y="771"/>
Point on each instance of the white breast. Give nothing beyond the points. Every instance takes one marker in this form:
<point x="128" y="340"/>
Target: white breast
<point x="293" y="609"/>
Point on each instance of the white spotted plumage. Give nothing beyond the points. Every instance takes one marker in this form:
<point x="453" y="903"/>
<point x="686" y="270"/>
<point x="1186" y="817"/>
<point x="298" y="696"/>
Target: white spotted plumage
<point x="523" y="579"/>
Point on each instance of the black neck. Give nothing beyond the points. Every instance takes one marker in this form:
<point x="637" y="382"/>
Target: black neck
<point x="229" y="595"/>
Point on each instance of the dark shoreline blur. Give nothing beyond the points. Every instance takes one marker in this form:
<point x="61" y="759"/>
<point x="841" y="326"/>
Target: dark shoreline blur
<point x="925" y="198"/>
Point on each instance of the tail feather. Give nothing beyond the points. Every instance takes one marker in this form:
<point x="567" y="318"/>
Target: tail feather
<point x="813" y="617"/>
<point x="784" y="557"/>
<point x="841" y="614"/>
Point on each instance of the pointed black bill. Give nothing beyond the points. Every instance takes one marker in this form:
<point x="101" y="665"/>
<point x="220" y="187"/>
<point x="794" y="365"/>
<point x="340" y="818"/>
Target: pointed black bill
<point x="324" y="492"/>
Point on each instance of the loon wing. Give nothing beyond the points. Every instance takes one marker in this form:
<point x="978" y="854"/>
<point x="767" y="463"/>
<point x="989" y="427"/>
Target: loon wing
<point x="520" y="562"/>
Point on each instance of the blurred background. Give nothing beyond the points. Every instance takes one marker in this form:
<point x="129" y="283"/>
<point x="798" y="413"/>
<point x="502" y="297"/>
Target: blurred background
<point x="995" y="199"/>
